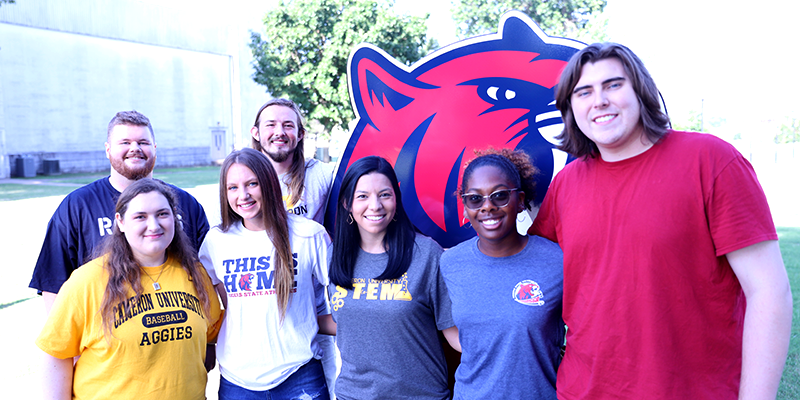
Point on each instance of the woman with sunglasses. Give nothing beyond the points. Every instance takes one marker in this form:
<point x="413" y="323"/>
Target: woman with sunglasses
<point x="505" y="287"/>
<point x="388" y="298"/>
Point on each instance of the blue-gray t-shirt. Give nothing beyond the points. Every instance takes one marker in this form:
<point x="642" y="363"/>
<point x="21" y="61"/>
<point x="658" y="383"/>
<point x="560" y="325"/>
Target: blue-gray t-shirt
<point x="508" y="313"/>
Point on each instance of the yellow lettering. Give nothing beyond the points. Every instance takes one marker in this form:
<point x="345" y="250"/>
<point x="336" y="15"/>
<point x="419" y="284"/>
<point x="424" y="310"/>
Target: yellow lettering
<point x="357" y="289"/>
<point x="390" y="290"/>
<point x="372" y="291"/>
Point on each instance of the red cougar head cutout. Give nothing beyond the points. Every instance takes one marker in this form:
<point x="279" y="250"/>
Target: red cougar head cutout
<point x="493" y="90"/>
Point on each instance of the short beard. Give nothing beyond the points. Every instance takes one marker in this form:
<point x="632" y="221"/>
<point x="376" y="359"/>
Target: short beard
<point x="134" y="174"/>
<point x="278" y="156"/>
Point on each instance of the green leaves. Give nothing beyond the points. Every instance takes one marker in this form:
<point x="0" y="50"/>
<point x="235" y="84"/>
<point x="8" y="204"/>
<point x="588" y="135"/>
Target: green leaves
<point x="302" y="53"/>
<point x="567" y="18"/>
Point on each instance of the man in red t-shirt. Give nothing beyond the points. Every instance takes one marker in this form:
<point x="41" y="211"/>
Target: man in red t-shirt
<point x="674" y="285"/>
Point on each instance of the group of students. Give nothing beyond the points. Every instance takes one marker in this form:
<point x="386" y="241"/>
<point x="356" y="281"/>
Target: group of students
<point x="391" y="291"/>
<point x="138" y="317"/>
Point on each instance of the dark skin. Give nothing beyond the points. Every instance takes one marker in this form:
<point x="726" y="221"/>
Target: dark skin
<point x="496" y="226"/>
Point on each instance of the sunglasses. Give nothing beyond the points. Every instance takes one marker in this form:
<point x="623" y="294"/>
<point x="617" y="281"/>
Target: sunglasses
<point x="499" y="198"/>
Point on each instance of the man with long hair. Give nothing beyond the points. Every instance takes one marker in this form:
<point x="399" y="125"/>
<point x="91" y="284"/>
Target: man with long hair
<point x="279" y="133"/>
<point x="674" y="285"/>
<point x="85" y="217"/>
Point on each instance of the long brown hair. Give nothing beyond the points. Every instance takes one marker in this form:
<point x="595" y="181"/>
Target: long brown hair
<point x="297" y="172"/>
<point x="654" y="121"/>
<point x="124" y="272"/>
<point x="272" y="211"/>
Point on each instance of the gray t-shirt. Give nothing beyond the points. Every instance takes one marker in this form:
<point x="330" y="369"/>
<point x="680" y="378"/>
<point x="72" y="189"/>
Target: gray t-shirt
<point x="317" y="186"/>
<point x="387" y="330"/>
<point x="508" y="313"/>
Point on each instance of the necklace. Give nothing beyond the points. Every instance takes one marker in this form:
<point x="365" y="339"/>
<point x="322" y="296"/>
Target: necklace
<point x="156" y="286"/>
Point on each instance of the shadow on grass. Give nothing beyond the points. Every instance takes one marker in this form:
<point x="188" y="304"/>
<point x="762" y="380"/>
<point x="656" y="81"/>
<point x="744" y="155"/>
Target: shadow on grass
<point x="5" y="305"/>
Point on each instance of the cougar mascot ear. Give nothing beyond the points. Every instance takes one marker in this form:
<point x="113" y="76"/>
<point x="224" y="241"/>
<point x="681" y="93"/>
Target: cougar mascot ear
<point x="428" y="119"/>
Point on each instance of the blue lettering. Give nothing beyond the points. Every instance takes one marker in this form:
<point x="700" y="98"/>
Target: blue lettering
<point x="227" y="264"/>
<point x="230" y="283"/>
<point x="263" y="263"/>
<point x="241" y="265"/>
<point x="265" y="279"/>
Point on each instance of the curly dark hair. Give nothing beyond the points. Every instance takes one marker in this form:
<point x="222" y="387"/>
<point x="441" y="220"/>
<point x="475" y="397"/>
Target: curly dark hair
<point x="515" y="164"/>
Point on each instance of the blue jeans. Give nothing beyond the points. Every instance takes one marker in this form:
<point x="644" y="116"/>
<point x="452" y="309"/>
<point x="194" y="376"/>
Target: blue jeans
<point x="306" y="383"/>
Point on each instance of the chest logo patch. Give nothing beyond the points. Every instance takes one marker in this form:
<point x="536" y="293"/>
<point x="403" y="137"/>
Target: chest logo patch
<point x="529" y="293"/>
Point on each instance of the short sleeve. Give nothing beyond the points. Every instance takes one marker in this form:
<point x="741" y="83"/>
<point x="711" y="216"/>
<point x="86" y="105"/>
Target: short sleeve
<point x="66" y="325"/>
<point x="214" y="310"/>
<point x="59" y="254"/>
<point x="437" y="290"/>
<point x="545" y="223"/>
<point x="737" y="209"/>
<point x="320" y="279"/>
<point x="206" y="259"/>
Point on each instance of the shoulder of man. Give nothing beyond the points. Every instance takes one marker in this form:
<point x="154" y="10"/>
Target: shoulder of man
<point x="319" y="166"/>
<point x="96" y="197"/>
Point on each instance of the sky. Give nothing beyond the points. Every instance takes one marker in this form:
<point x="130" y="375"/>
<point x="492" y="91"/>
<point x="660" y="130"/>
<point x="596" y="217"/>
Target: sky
<point x="729" y="58"/>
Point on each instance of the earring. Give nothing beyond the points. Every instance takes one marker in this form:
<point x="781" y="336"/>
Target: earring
<point x="350" y="219"/>
<point x="465" y="222"/>
<point x="393" y="219"/>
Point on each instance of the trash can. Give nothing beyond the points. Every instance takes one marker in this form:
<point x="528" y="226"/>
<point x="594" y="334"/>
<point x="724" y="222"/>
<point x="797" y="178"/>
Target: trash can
<point x="25" y="168"/>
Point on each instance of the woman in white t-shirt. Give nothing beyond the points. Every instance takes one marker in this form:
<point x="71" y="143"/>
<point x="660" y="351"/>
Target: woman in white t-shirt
<point x="261" y="261"/>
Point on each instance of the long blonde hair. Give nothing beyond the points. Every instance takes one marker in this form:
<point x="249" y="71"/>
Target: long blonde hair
<point x="273" y="213"/>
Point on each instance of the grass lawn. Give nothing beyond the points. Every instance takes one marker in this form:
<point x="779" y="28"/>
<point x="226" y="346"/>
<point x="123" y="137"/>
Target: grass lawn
<point x="790" y="249"/>
<point x="59" y="185"/>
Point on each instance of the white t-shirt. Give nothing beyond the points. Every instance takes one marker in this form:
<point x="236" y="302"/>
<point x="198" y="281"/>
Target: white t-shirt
<point x="255" y="351"/>
<point x="318" y="181"/>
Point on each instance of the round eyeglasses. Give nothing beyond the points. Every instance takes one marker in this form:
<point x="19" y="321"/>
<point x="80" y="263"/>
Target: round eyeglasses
<point x="499" y="198"/>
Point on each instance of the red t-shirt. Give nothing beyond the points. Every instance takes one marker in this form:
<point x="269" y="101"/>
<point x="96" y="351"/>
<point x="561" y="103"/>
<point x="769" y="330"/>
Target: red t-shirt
<point x="653" y="308"/>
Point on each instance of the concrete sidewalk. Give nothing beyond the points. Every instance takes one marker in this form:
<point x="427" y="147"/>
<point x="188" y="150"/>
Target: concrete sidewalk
<point x="44" y="181"/>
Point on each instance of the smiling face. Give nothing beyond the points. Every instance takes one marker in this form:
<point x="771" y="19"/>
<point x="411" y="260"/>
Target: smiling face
<point x="374" y="205"/>
<point x="277" y="131"/>
<point x="244" y="196"/>
<point x="607" y="110"/>
<point x="148" y="226"/>
<point x="131" y="151"/>
<point x="495" y="226"/>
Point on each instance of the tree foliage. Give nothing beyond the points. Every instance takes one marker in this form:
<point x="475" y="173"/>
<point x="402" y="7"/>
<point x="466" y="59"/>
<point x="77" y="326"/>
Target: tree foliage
<point x="790" y="132"/>
<point x="6" y="1"/>
<point x="567" y="18"/>
<point x="303" y="52"/>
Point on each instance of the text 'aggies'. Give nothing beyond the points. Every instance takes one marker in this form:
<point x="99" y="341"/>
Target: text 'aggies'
<point x="161" y="326"/>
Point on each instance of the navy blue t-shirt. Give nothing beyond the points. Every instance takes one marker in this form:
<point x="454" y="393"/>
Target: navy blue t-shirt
<point x="83" y="219"/>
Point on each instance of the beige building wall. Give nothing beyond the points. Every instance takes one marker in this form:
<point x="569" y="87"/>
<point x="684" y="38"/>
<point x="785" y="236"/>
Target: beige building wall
<point x="67" y="66"/>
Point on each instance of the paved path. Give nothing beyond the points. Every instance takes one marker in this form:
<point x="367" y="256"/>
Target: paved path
<point x="48" y="182"/>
